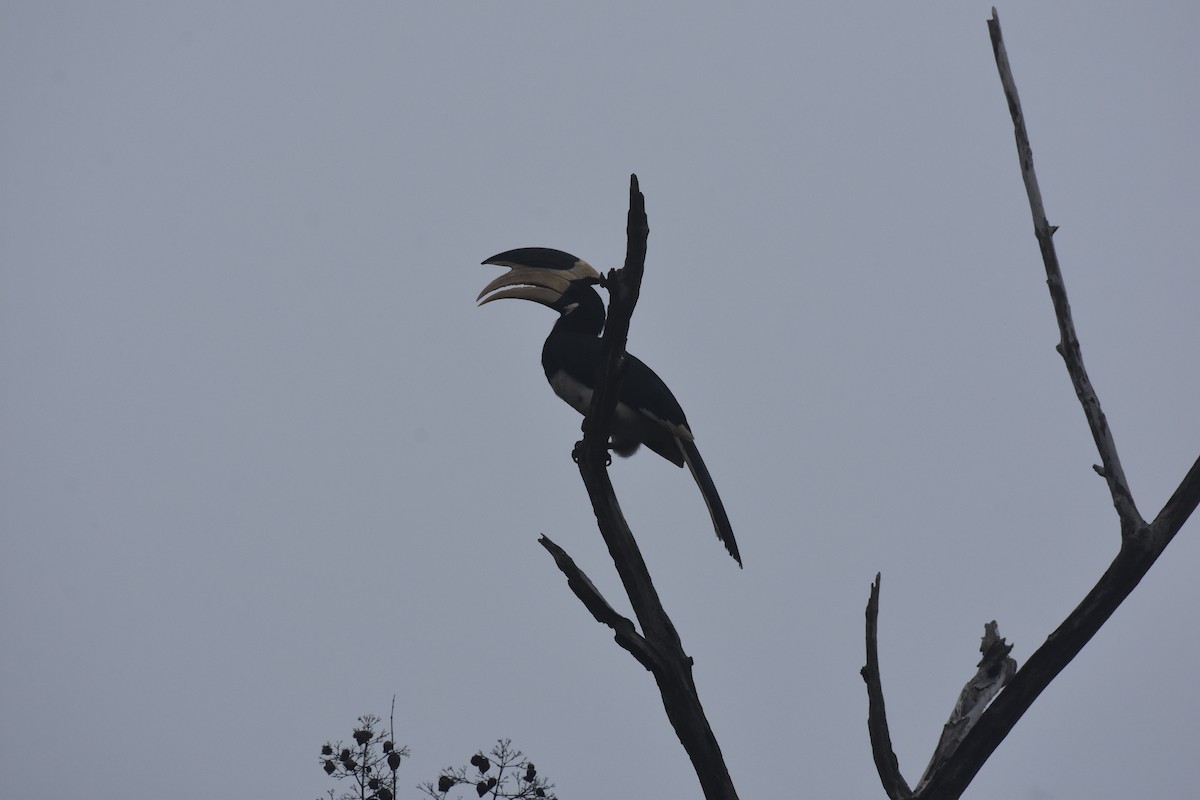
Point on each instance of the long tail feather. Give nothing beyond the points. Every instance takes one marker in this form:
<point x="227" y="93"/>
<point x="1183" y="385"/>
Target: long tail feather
<point x="708" y="489"/>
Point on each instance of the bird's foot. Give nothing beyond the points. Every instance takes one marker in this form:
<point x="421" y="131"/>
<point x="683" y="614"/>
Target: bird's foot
<point x="577" y="453"/>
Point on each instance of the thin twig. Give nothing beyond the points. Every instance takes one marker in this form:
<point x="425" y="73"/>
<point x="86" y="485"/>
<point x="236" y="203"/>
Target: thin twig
<point x="1068" y="346"/>
<point x="877" y="724"/>
<point x="623" y="628"/>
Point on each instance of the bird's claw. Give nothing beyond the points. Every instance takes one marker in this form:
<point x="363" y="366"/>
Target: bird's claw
<point x="577" y="453"/>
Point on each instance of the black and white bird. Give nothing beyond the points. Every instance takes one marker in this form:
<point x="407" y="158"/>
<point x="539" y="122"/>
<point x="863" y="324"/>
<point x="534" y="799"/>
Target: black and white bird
<point x="647" y="412"/>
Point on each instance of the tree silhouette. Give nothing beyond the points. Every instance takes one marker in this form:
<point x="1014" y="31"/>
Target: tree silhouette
<point x="990" y="703"/>
<point x="372" y="764"/>
<point x="999" y="694"/>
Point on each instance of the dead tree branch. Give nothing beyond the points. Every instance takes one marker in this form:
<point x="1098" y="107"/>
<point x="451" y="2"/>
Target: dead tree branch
<point x="1068" y="346"/>
<point x="658" y="647"/>
<point x="960" y="757"/>
<point x="995" y="671"/>
<point x="877" y="725"/>
<point x="624" y="630"/>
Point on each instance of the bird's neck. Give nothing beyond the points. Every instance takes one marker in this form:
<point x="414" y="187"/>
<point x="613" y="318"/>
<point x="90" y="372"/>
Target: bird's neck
<point x="585" y="315"/>
<point x="578" y="324"/>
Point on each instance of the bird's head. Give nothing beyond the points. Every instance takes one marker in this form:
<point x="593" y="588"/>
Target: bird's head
<point x="551" y="277"/>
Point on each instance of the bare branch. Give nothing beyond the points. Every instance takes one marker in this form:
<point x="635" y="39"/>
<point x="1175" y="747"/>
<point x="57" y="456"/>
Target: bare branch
<point x="1177" y="510"/>
<point x="661" y="650"/>
<point x="953" y="767"/>
<point x="623" y="287"/>
<point x="624" y="631"/>
<point x="995" y="671"/>
<point x="1068" y="346"/>
<point x="877" y="725"/>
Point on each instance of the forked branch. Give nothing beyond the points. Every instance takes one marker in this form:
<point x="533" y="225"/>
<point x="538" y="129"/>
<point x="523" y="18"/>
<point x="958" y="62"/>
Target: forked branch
<point x="657" y="647"/>
<point x="977" y="726"/>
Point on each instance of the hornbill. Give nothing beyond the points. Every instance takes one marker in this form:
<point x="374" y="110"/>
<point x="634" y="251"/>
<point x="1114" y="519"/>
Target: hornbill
<point x="647" y="413"/>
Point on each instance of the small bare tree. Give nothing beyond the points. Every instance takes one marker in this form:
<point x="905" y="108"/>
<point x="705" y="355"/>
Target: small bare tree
<point x="998" y="695"/>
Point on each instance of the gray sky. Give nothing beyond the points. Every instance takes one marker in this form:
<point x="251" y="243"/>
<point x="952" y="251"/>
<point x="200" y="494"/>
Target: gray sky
<point x="264" y="463"/>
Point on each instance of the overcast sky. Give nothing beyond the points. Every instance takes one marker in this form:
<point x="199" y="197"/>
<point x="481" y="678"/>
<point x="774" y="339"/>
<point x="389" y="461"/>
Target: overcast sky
<point x="264" y="464"/>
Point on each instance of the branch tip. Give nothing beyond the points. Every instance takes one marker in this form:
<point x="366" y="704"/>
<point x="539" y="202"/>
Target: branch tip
<point x="886" y="763"/>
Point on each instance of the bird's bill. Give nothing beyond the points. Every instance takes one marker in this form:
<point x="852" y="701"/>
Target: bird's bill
<point x="538" y="284"/>
<point x="553" y="280"/>
<point x="544" y="258"/>
<point x="540" y="271"/>
<point x="538" y="294"/>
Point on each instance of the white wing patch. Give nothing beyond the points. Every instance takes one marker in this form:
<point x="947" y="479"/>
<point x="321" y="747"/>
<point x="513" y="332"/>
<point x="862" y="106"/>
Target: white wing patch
<point x="579" y="397"/>
<point x="680" y="431"/>
<point x="576" y="395"/>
